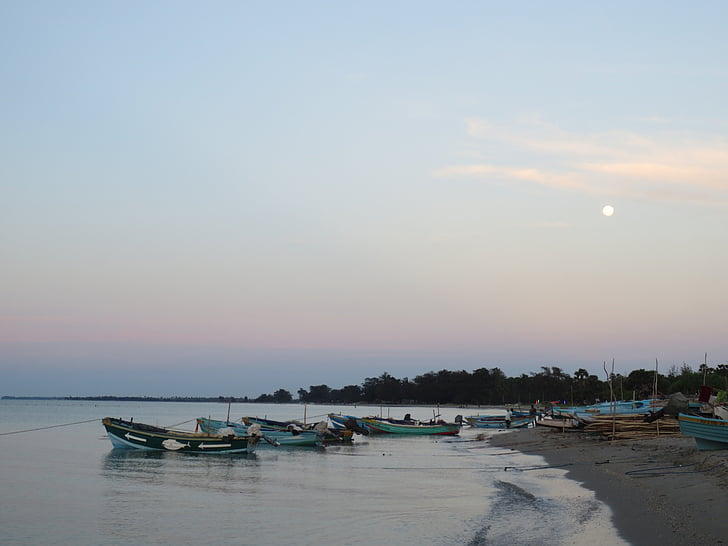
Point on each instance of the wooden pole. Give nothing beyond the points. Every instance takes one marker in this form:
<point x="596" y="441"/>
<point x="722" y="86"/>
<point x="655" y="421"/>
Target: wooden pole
<point x="613" y="405"/>
<point x="611" y="396"/>
<point x="654" y="397"/>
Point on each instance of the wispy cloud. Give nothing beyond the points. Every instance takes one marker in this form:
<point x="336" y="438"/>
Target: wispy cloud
<point x="546" y="178"/>
<point x="667" y="166"/>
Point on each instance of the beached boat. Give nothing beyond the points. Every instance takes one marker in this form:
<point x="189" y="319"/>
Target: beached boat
<point x="286" y="438"/>
<point x="386" y="426"/>
<point x="621" y="407"/>
<point x="127" y="434"/>
<point x="498" y="421"/>
<point x="522" y="413"/>
<point x="560" y="424"/>
<point x="708" y="433"/>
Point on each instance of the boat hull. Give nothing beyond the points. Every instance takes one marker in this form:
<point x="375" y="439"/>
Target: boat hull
<point x="349" y="422"/>
<point x="130" y="435"/>
<point x="708" y="433"/>
<point x="437" y="429"/>
<point x="284" y="438"/>
<point x="609" y="408"/>
<point x="498" y="423"/>
<point x="560" y="424"/>
<point x="324" y="434"/>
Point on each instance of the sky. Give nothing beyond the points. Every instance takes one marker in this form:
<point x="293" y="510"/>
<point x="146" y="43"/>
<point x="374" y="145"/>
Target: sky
<point x="229" y="198"/>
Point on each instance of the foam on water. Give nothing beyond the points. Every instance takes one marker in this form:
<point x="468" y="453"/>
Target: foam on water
<point x="380" y="490"/>
<point x="534" y="503"/>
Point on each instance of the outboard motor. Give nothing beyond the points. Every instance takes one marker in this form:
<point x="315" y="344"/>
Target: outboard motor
<point x="352" y="425"/>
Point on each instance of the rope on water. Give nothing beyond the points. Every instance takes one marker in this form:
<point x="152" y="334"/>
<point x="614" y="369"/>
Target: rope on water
<point x="51" y="426"/>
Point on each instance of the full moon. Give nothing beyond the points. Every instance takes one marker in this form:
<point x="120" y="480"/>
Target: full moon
<point x="608" y="210"/>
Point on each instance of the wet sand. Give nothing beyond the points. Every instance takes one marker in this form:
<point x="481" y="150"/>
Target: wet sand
<point x="660" y="490"/>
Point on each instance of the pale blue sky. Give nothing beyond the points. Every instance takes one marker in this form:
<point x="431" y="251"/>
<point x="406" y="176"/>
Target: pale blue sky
<point x="230" y="198"/>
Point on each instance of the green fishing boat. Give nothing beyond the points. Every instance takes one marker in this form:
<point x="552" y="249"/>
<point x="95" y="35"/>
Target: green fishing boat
<point x="130" y="435"/>
<point x="413" y="428"/>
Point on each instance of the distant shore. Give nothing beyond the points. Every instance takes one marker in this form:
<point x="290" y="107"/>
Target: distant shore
<point x="660" y="490"/>
<point x="243" y="400"/>
<point x="224" y="399"/>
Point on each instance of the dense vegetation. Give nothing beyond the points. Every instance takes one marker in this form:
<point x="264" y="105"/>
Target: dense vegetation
<point x="485" y="387"/>
<point x="491" y="387"/>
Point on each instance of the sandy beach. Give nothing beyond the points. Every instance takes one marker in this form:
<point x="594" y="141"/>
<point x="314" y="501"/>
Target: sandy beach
<point x="660" y="490"/>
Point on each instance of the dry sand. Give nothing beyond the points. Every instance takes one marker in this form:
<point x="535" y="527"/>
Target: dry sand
<point x="662" y="491"/>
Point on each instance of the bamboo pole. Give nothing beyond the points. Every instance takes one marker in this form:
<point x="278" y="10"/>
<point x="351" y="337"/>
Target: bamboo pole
<point x="612" y="406"/>
<point x="655" y="395"/>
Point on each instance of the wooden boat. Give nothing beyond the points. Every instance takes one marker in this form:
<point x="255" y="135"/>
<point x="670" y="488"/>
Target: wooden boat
<point x="522" y="413"/>
<point x="286" y="438"/>
<point x="321" y="428"/>
<point x="350" y="422"/>
<point x="487" y="417"/>
<point x="497" y="422"/>
<point x="621" y="407"/>
<point x="385" y="426"/>
<point x="708" y="433"/>
<point x="560" y="424"/>
<point x="127" y="434"/>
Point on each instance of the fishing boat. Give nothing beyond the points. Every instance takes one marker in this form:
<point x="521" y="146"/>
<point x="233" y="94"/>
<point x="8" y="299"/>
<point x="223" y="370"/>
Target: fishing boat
<point x="321" y="428"/>
<point x="521" y="413"/>
<point x="708" y="433"/>
<point x="498" y="422"/>
<point x="127" y="434"/>
<point x="387" y="426"/>
<point x="622" y="407"/>
<point x="286" y="438"/>
<point x="350" y="422"/>
<point x="560" y="424"/>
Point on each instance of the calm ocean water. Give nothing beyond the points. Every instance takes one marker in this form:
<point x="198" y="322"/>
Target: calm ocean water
<point x="66" y="485"/>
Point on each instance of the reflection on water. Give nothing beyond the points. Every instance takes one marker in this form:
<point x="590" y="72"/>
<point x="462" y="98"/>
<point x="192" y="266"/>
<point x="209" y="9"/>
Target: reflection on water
<point x="162" y="497"/>
<point x="181" y="469"/>
<point x="378" y="490"/>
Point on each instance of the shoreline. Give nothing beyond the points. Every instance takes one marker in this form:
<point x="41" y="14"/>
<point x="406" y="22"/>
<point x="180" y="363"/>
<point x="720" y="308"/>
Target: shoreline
<point x="660" y="490"/>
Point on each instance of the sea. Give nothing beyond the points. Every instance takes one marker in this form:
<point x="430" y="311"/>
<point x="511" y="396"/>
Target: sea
<point x="62" y="482"/>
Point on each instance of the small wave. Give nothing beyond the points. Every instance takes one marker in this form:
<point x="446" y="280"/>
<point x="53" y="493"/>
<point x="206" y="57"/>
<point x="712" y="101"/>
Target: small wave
<point x="515" y="491"/>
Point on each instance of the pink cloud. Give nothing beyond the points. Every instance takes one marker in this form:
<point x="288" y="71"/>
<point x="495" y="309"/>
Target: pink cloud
<point x="666" y="166"/>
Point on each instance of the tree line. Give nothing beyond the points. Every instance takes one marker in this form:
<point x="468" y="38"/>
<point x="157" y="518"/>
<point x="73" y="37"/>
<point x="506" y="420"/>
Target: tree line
<point x="492" y="387"/>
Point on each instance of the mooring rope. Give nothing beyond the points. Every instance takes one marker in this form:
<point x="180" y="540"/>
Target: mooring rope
<point x="182" y="423"/>
<point x="51" y="426"/>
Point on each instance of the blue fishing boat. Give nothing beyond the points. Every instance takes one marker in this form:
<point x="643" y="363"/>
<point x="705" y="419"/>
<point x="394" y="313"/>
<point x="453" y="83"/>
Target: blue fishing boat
<point x="412" y="428"/>
<point x="622" y="407"/>
<point x="327" y="434"/>
<point x="349" y="422"/>
<point x="286" y="438"/>
<point x="708" y="433"/>
<point x="498" y="421"/>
